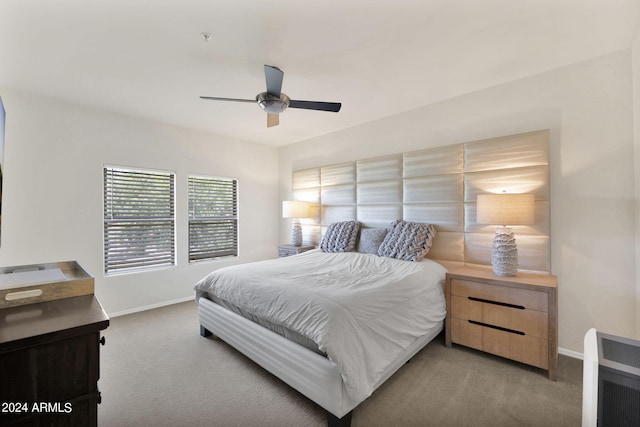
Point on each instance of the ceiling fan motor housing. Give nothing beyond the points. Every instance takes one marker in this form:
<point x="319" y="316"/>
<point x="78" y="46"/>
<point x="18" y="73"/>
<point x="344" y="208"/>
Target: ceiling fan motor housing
<point x="271" y="103"/>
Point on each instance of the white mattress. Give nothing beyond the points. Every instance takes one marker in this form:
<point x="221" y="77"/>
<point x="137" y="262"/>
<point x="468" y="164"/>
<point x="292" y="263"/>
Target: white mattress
<point x="362" y="310"/>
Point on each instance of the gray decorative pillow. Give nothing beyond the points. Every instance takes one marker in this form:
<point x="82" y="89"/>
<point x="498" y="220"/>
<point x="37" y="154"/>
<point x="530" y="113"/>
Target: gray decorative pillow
<point x="371" y="239"/>
<point x="340" y="237"/>
<point x="406" y="240"/>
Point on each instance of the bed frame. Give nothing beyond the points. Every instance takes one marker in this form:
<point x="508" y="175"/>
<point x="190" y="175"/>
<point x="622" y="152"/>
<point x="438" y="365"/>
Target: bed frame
<point x="309" y="373"/>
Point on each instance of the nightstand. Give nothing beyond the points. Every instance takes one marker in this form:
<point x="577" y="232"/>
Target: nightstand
<point x="288" y="250"/>
<point x="512" y="317"/>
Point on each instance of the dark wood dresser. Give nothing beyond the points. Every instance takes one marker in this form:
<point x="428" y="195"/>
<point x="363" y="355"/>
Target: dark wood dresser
<point x="50" y="362"/>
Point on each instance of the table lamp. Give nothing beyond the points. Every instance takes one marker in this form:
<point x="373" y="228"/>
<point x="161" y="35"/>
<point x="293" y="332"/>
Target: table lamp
<point x="505" y="210"/>
<point x="295" y="210"/>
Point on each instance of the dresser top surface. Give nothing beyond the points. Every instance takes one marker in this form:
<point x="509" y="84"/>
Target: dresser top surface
<point x="545" y="280"/>
<point x="52" y="317"/>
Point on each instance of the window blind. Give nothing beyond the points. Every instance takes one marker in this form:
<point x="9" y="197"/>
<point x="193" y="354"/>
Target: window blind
<point x="213" y="218"/>
<point x="139" y="219"/>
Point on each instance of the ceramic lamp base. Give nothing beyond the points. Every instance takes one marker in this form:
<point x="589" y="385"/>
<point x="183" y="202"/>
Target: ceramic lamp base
<point x="504" y="254"/>
<point x="296" y="233"/>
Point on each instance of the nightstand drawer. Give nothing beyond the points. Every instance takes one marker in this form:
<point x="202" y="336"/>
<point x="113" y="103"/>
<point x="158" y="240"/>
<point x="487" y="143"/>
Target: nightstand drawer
<point x="528" y="299"/>
<point x="522" y="348"/>
<point x="283" y="252"/>
<point x="521" y="320"/>
<point x="288" y="250"/>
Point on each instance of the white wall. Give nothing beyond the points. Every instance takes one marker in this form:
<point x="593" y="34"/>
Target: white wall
<point x="588" y="108"/>
<point x="52" y="198"/>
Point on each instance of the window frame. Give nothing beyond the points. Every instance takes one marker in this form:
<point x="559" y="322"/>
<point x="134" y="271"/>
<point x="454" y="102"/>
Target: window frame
<point x="143" y="263"/>
<point x="193" y="218"/>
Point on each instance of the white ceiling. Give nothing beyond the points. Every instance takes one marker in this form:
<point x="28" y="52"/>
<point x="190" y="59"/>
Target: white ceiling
<point x="146" y="58"/>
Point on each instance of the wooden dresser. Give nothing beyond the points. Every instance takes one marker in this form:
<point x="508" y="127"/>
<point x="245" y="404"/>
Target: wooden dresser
<point x="513" y="317"/>
<point x="50" y="354"/>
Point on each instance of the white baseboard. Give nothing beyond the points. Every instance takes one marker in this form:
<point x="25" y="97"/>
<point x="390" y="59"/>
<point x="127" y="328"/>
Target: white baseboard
<point x="151" y="307"/>
<point x="571" y="353"/>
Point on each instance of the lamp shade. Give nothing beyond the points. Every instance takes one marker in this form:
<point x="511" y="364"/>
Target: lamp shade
<point x="291" y="209"/>
<point x="506" y="209"/>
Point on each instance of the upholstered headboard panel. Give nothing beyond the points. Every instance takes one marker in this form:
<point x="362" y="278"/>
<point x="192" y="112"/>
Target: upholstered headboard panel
<point x="438" y="186"/>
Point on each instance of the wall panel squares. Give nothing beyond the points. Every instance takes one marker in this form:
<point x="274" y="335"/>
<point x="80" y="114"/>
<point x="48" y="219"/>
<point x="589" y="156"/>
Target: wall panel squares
<point x="380" y="192"/>
<point x="306" y="178"/>
<point x="507" y="152"/>
<point x="344" y="173"/>
<point x="439" y="186"/>
<point x="520" y="180"/>
<point x="434" y="189"/>
<point x="446" y="216"/>
<point x="379" y="215"/>
<point x="434" y="161"/>
<point x="336" y="213"/>
<point x="379" y="169"/>
<point x="339" y="194"/>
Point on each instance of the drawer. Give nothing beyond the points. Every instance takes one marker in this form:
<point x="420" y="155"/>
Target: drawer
<point x="286" y="252"/>
<point x="55" y="371"/>
<point x="522" y="348"/>
<point x="526" y="298"/>
<point x="528" y="322"/>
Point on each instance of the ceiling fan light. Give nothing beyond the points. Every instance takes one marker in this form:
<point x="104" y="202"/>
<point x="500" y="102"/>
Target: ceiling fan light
<point x="273" y="104"/>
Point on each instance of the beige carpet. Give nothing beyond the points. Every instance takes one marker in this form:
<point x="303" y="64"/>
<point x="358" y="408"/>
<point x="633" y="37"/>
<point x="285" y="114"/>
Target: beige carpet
<point x="156" y="370"/>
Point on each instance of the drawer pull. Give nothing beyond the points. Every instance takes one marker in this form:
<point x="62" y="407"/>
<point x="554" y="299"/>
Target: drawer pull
<point x="32" y="293"/>
<point x="504" y="304"/>
<point x="513" y="331"/>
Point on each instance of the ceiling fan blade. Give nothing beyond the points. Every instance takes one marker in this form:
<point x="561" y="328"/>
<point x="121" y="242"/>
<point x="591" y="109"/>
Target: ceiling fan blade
<point x="273" y="120"/>
<point x="313" y="105"/>
<point x="273" y="76"/>
<point x="214" y="98"/>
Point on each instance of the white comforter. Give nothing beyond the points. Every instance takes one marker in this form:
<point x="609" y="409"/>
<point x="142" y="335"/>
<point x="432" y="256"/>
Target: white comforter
<point x="361" y="310"/>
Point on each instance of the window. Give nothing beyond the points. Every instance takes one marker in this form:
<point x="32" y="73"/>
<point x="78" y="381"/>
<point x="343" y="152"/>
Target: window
<point x="213" y="218"/>
<point x="139" y="219"/>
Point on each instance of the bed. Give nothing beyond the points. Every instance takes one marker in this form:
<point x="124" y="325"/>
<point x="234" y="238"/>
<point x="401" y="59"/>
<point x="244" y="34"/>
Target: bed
<point x="333" y="323"/>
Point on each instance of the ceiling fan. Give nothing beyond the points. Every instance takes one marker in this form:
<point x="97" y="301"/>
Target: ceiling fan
<point x="274" y="102"/>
